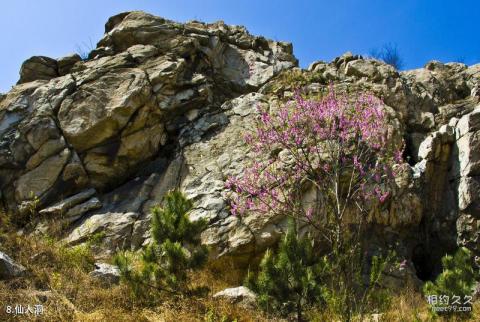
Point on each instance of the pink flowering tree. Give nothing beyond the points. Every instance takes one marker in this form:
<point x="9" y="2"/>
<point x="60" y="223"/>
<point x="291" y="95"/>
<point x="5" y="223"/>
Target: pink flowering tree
<point x="325" y="162"/>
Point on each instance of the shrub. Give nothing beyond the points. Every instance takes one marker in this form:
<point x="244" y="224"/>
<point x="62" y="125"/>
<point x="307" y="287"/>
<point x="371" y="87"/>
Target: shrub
<point x="390" y="54"/>
<point x="84" y="49"/>
<point x="457" y="280"/>
<point x="338" y="149"/>
<point x="353" y="283"/>
<point x="296" y="278"/>
<point x="291" y="279"/>
<point x="79" y="256"/>
<point x="175" y="250"/>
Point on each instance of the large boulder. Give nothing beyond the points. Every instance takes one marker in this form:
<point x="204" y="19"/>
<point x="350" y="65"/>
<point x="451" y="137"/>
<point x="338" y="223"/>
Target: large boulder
<point x="112" y="123"/>
<point x="36" y="159"/>
<point x="38" y="68"/>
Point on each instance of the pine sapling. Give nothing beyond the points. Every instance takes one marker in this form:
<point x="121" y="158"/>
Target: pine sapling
<point x="175" y="251"/>
<point x="454" y="284"/>
<point x="291" y="279"/>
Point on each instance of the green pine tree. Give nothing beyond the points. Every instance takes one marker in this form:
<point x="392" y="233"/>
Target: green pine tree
<point x="457" y="279"/>
<point x="289" y="280"/>
<point x="175" y="251"/>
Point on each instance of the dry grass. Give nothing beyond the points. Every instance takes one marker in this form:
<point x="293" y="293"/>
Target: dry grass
<point x="407" y="306"/>
<point x="412" y="306"/>
<point x="58" y="279"/>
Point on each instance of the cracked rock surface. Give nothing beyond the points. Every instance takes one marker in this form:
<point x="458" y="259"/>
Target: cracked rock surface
<point x="161" y="105"/>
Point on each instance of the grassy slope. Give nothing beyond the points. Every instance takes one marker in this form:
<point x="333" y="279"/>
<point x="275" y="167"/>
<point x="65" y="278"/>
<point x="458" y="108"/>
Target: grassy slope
<point x="58" y="278"/>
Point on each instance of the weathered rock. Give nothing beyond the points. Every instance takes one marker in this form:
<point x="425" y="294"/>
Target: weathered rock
<point x="107" y="274"/>
<point x="46" y="150"/>
<point x="114" y="20"/>
<point x="468" y="143"/>
<point x="433" y="147"/>
<point x="405" y="208"/>
<point x="112" y="134"/>
<point x="468" y="232"/>
<point x="101" y="109"/>
<point x="124" y="130"/>
<point x="8" y="268"/>
<point x="66" y="63"/>
<point x="38" y="68"/>
<point x="81" y="209"/>
<point x="371" y="69"/>
<point x="15" y="106"/>
<point x="232" y="59"/>
<point x="116" y="229"/>
<point x="209" y="162"/>
<point x="438" y="83"/>
<point x="142" y="53"/>
<point x="40" y="179"/>
<point x="151" y="194"/>
<point x="468" y="192"/>
<point x="238" y="295"/>
<point x="36" y="143"/>
<point x="63" y="206"/>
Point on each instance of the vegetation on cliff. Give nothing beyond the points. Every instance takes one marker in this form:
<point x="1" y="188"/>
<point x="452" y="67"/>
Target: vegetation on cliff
<point x="88" y="147"/>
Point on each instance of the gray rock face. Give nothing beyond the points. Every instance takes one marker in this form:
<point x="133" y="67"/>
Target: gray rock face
<point x="36" y="162"/>
<point x="467" y="168"/>
<point x="107" y="274"/>
<point x="8" y="268"/>
<point x="468" y="143"/>
<point x="42" y="178"/>
<point x="100" y="122"/>
<point x="84" y="129"/>
<point x="161" y="105"/>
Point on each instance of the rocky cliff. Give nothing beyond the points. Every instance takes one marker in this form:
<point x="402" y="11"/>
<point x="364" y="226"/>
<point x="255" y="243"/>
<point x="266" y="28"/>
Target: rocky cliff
<point x="94" y="143"/>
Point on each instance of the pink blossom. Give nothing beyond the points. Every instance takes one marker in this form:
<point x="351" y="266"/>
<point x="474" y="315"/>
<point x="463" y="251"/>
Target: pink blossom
<point x="325" y="138"/>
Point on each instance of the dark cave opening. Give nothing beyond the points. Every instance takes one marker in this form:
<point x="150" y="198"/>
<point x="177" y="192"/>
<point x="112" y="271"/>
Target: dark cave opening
<point x="408" y="152"/>
<point x="423" y="263"/>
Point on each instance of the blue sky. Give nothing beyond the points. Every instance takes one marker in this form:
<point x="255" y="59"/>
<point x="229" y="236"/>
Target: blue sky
<point x="422" y="29"/>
